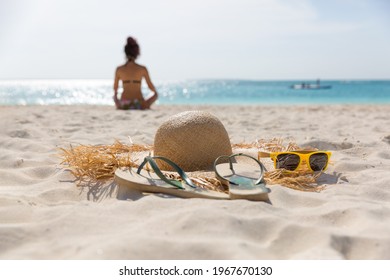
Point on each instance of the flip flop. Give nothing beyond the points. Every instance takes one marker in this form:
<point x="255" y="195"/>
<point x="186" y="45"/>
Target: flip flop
<point x="244" y="180"/>
<point x="156" y="182"/>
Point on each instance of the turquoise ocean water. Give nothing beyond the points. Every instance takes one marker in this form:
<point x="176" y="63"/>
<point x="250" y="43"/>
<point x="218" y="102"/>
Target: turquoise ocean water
<point x="99" y="92"/>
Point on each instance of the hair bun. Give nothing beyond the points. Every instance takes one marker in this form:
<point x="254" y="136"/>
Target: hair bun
<point x="131" y="41"/>
<point x="132" y="48"/>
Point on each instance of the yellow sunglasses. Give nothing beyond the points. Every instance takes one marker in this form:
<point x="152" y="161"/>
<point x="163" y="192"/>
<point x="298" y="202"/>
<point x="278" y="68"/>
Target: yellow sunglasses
<point x="292" y="160"/>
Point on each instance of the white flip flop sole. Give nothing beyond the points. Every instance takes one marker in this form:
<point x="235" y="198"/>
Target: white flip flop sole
<point x="149" y="182"/>
<point x="247" y="174"/>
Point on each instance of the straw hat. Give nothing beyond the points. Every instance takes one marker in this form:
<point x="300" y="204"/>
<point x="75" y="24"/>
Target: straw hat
<point x="193" y="140"/>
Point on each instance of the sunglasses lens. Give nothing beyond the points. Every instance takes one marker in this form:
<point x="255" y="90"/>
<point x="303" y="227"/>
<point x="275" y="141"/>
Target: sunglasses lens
<point x="287" y="161"/>
<point x="318" y="161"/>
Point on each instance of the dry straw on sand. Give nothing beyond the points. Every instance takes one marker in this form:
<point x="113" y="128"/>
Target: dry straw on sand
<point x="91" y="164"/>
<point x="99" y="162"/>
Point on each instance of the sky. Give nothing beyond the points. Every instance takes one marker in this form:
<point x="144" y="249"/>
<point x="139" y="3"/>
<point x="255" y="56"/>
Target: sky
<point x="196" y="39"/>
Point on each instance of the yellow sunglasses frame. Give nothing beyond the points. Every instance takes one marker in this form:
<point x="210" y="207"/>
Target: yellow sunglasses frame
<point x="304" y="156"/>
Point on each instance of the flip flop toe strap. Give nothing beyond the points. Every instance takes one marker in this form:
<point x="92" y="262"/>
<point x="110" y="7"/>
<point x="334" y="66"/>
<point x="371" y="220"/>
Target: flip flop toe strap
<point x="262" y="168"/>
<point x="157" y="170"/>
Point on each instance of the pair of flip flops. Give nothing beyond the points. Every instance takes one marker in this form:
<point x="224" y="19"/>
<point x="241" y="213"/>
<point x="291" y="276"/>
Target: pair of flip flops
<point x="244" y="181"/>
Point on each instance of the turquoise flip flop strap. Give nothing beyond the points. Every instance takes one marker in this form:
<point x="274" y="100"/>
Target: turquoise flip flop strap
<point x="262" y="168"/>
<point x="157" y="170"/>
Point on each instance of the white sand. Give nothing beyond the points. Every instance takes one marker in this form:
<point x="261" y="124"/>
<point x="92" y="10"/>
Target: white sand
<point x="43" y="215"/>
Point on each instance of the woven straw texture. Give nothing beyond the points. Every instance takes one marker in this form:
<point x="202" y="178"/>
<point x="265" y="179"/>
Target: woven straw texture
<point x="193" y="140"/>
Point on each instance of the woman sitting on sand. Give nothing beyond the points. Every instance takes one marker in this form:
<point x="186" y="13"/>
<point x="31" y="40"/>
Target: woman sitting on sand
<point x="131" y="75"/>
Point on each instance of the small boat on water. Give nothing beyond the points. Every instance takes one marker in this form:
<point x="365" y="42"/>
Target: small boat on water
<point x="310" y="86"/>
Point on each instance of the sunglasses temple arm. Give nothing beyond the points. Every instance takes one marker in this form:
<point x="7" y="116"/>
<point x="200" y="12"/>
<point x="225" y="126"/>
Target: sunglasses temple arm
<point x="264" y="154"/>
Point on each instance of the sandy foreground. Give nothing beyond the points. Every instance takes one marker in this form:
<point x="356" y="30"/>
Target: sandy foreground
<point x="44" y="215"/>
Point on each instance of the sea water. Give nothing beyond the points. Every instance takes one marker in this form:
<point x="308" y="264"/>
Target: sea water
<point x="213" y="92"/>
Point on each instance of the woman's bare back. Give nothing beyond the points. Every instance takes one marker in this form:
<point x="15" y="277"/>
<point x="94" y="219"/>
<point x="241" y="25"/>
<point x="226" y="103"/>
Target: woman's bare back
<point x="131" y="75"/>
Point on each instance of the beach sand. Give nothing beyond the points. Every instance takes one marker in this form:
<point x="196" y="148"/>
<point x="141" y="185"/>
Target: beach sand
<point x="44" y="215"/>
